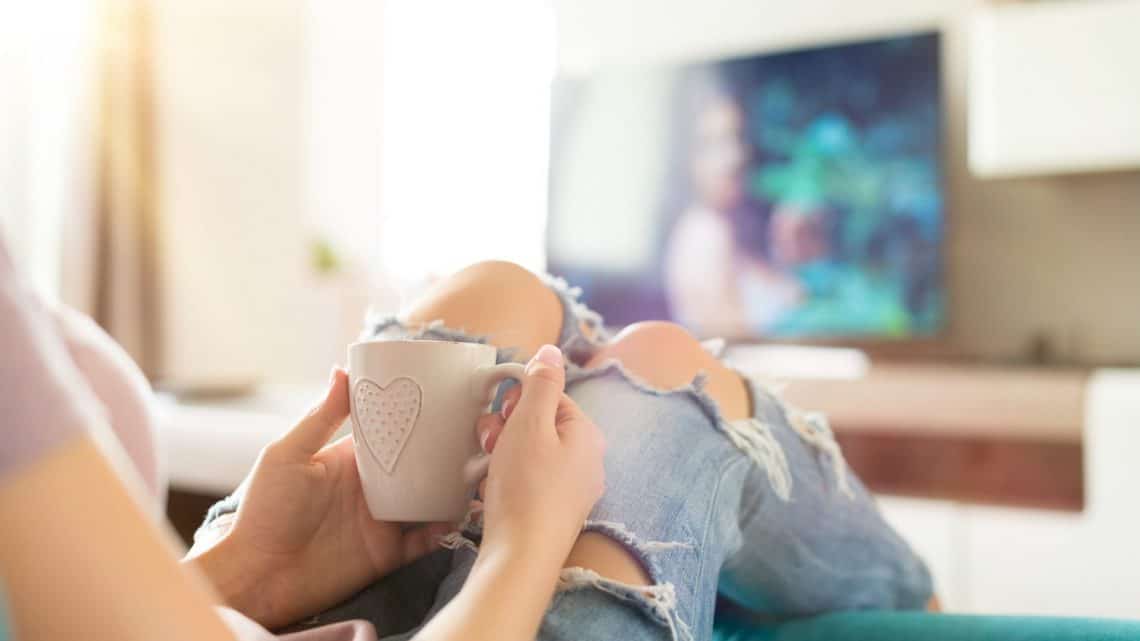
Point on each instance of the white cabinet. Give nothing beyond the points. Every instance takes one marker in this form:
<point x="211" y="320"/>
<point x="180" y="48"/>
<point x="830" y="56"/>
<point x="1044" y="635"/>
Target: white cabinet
<point x="1010" y="561"/>
<point x="1054" y="87"/>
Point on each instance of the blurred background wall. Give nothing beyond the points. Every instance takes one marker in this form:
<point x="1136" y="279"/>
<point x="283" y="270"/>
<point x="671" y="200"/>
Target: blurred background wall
<point x="48" y="86"/>
<point x="228" y="186"/>
<point x="1036" y="259"/>
<point x="229" y="136"/>
<point x="312" y="158"/>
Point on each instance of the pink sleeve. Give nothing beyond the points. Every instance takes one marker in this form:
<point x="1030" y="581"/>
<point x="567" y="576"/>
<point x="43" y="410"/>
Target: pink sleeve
<point x="44" y="400"/>
<point x="60" y="371"/>
<point x="123" y="390"/>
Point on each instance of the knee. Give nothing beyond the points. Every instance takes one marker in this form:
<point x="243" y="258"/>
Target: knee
<point x="662" y="354"/>
<point x="496" y="270"/>
<point x="647" y="334"/>
<point x="484" y="286"/>
<point x="500" y="300"/>
<point x="496" y="279"/>
<point x="667" y="356"/>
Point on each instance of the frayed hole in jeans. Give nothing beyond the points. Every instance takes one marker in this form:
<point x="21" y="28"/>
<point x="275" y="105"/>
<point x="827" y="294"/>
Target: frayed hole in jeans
<point x="751" y="436"/>
<point x="658" y="600"/>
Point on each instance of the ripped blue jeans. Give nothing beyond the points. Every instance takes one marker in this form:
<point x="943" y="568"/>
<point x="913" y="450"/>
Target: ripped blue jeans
<point x="762" y="511"/>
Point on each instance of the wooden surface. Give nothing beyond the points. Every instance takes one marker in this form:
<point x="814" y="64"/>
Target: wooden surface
<point x="185" y="510"/>
<point x="1047" y="475"/>
<point x="1004" y="436"/>
<point x="953" y="401"/>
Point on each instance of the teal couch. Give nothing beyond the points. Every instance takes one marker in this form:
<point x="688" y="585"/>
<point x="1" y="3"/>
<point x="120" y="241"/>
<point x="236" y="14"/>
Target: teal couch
<point x="924" y="626"/>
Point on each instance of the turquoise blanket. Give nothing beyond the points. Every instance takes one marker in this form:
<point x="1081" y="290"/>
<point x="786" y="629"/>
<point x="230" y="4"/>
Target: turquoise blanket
<point x="915" y="626"/>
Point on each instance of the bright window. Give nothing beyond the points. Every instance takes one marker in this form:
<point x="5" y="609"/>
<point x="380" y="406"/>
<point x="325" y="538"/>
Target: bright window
<point x="464" y="133"/>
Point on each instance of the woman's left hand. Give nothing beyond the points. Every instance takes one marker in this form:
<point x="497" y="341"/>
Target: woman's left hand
<point x="303" y="539"/>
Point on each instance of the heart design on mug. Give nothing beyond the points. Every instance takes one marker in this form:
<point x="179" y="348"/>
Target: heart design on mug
<point x="385" y="416"/>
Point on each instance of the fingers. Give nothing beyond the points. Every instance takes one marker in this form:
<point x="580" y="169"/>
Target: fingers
<point x="422" y="540"/>
<point x="488" y="428"/>
<point x="510" y="401"/>
<point x="567" y="414"/>
<point x="318" y="426"/>
<point x="542" y="389"/>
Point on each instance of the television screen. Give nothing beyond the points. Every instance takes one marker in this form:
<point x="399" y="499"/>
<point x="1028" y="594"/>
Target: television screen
<point x="789" y="195"/>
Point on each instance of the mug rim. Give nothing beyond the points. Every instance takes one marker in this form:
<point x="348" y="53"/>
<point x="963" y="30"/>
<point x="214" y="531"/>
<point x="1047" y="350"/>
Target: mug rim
<point x="435" y="341"/>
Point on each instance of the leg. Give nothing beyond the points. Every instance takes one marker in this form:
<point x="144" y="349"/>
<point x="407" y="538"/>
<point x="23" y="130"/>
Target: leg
<point x="509" y="305"/>
<point x="485" y="299"/>
<point x="682" y="499"/>
<point x="667" y="356"/>
<point x="515" y="309"/>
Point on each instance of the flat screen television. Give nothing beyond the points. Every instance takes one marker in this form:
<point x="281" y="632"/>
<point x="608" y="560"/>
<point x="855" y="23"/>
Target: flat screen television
<point x="794" y="195"/>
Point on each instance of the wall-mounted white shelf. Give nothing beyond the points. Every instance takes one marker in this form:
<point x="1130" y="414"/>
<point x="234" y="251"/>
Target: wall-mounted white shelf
<point x="1054" y="87"/>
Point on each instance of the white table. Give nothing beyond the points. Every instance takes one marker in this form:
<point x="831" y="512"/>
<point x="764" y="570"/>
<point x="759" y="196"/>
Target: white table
<point x="211" y="445"/>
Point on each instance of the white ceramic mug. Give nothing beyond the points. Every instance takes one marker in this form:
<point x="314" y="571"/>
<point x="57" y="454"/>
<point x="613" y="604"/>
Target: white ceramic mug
<point x="414" y="407"/>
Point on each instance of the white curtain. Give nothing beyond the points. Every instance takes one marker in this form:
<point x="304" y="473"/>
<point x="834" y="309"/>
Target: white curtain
<point x="46" y="130"/>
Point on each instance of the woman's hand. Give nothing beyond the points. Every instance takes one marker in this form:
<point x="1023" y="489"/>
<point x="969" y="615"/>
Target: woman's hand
<point x="546" y="468"/>
<point x="303" y="539"/>
<point x="546" y="474"/>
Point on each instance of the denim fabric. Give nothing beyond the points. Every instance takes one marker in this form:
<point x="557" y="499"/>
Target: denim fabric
<point x="763" y="511"/>
<point x="827" y="547"/>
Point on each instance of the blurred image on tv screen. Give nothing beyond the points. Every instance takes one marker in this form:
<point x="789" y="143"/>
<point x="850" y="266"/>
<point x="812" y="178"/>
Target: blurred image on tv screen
<point x="789" y="195"/>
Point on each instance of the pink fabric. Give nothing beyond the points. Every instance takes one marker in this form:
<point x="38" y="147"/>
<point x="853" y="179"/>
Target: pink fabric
<point x="44" y="400"/>
<point x="123" y="390"/>
<point x="59" y="375"/>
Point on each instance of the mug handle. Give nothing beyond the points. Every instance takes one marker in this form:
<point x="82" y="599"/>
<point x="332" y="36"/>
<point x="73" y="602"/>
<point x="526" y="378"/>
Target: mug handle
<point x="486" y="379"/>
<point x="483" y="385"/>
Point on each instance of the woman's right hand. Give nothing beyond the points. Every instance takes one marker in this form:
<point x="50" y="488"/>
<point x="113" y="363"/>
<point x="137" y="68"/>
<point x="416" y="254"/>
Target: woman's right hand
<point x="545" y="476"/>
<point x="546" y="468"/>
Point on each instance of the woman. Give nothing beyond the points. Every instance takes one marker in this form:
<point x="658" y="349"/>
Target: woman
<point x="708" y="484"/>
<point x="712" y="283"/>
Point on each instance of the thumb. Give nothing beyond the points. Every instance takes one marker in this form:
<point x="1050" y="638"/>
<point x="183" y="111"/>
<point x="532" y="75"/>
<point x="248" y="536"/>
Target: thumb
<point x="542" y="389"/>
<point x="318" y="426"/>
